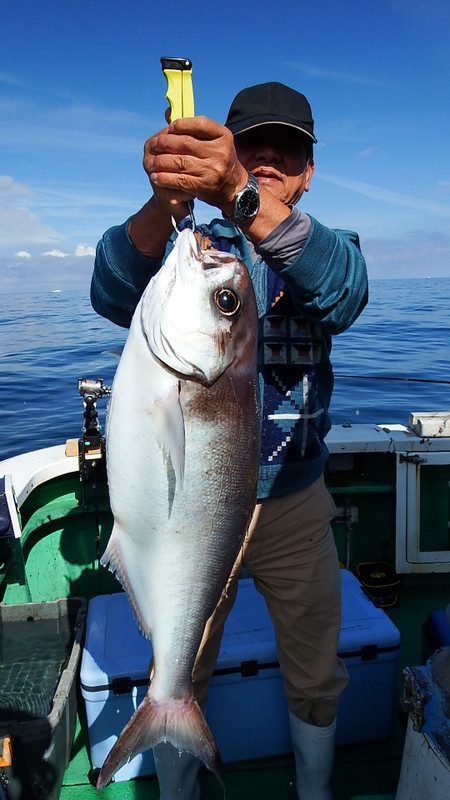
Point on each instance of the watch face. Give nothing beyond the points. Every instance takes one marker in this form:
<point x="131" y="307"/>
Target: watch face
<point x="248" y="204"/>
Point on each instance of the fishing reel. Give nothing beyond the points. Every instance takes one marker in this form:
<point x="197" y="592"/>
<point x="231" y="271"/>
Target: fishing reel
<point x="90" y="448"/>
<point x="96" y="389"/>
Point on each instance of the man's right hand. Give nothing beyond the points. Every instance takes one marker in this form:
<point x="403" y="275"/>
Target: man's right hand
<point x="151" y="227"/>
<point x="170" y="201"/>
<point x="196" y="157"/>
<point x="173" y="202"/>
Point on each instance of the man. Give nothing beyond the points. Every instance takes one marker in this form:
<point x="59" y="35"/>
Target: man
<point x="310" y="283"/>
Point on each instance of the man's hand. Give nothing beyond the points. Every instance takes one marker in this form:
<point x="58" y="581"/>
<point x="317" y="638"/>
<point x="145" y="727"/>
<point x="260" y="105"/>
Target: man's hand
<point x="194" y="157"/>
<point x="173" y="203"/>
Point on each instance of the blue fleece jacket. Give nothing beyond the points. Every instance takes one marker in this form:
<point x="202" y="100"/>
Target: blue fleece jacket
<point x="300" y="307"/>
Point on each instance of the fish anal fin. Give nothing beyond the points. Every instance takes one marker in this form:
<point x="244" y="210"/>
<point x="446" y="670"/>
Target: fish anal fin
<point x="112" y="560"/>
<point x="180" y="722"/>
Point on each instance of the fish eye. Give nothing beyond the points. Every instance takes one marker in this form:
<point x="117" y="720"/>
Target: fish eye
<point x="227" y="302"/>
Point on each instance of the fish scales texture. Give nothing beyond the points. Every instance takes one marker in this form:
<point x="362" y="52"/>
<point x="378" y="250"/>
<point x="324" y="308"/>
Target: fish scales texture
<point x="183" y="451"/>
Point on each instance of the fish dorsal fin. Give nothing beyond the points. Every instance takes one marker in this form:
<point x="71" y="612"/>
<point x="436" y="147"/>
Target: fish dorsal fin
<point x="168" y="419"/>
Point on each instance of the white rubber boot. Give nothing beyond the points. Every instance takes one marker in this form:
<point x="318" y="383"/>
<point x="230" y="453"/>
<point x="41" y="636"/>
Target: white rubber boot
<point x="177" y="774"/>
<point x="314" y="754"/>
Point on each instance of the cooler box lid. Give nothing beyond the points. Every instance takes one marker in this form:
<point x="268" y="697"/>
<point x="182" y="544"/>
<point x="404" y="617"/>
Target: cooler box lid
<point x="115" y="648"/>
<point x="366" y="631"/>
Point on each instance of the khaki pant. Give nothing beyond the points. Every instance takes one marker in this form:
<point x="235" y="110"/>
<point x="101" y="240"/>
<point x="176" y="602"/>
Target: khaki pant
<point x="289" y="550"/>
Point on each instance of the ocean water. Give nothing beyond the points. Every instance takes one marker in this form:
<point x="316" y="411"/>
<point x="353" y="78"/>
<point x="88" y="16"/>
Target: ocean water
<point x="395" y="359"/>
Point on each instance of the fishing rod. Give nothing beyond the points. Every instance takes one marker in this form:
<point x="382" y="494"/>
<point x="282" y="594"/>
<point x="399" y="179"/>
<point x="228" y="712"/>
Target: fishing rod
<point x="404" y="379"/>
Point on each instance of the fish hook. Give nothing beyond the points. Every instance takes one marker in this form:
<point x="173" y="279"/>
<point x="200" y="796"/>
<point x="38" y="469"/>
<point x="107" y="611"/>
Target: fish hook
<point x="191" y="214"/>
<point x="193" y="227"/>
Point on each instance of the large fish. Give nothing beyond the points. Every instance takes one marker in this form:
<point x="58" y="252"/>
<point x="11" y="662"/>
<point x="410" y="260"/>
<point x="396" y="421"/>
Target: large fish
<point x="182" y="457"/>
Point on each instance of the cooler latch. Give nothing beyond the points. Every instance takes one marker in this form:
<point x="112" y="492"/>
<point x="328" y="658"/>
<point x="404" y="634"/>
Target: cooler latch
<point x="121" y="686"/>
<point x="249" y="669"/>
<point x="369" y="652"/>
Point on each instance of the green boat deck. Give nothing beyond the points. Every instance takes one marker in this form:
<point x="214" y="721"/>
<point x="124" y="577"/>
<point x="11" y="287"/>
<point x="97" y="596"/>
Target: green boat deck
<point x="65" y="532"/>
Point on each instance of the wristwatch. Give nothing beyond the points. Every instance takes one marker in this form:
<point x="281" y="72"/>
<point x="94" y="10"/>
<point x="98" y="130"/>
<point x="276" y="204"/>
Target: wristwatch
<point x="246" y="202"/>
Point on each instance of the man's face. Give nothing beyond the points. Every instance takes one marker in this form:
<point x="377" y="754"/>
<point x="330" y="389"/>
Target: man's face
<point x="276" y="155"/>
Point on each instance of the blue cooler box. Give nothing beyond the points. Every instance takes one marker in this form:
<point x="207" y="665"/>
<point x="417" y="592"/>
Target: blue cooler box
<point x="246" y="708"/>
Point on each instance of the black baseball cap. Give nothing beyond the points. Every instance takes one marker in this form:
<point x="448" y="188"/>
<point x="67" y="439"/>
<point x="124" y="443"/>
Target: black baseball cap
<point x="268" y="104"/>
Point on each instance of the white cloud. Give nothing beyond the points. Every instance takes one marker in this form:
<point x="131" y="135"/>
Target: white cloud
<point x="11" y="80"/>
<point x="82" y="127"/>
<point x="44" y="272"/>
<point x="59" y="216"/>
<point x="23" y="254"/>
<point x="368" y="151"/>
<point x="336" y="75"/>
<point x="55" y="254"/>
<point x="18" y="224"/>
<point x="387" y="195"/>
<point x="11" y="188"/>
<point x="84" y="250"/>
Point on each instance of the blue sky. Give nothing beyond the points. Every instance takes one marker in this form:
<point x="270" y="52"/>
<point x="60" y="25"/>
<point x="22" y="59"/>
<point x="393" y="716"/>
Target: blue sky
<point x="81" y="88"/>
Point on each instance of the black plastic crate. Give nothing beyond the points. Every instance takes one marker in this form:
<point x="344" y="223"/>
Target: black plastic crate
<point x="40" y="646"/>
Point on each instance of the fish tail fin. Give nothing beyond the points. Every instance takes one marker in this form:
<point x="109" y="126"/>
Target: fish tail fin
<point x="180" y="722"/>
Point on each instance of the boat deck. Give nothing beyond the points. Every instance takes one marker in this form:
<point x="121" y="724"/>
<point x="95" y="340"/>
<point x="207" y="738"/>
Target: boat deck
<point x="64" y="532"/>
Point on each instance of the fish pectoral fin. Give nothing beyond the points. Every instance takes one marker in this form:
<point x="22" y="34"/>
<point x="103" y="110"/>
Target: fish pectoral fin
<point x="168" y="420"/>
<point x="180" y="722"/>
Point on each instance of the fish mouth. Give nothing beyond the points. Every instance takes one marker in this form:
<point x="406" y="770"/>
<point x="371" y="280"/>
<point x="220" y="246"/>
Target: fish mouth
<point x="215" y="259"/>
<point x="197" y="253"/>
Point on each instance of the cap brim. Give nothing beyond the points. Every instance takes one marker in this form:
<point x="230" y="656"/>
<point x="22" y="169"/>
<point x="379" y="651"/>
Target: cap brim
<point x="243" y="126"/>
